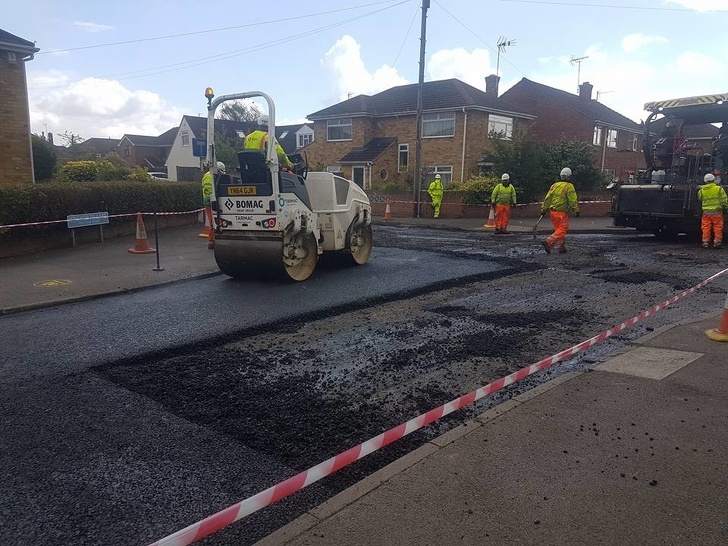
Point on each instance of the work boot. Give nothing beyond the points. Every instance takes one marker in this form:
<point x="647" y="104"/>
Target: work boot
<point x="562" y="250"/>
<point x="546" y="247"/>
<point x="211" y="245"/>
<point x="706" y="245"/>
<point x="717" y="244"/>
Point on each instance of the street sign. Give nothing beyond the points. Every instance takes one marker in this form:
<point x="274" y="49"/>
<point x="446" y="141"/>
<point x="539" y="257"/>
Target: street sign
<point x="88" y="219"/>
<point x="199" y="147"/>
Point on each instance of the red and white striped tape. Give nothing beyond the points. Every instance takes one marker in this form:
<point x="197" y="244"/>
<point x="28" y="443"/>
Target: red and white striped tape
<point x="111" y="216"/>
<point x="211" y="524"/>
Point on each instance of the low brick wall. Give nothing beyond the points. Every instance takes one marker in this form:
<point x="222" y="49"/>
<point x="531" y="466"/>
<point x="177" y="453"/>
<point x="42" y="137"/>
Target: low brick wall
<point x="401" y="205"/>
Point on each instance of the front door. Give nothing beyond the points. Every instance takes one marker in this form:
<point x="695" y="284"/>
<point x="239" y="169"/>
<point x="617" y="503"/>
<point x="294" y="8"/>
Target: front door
<point x="357" y="173"/>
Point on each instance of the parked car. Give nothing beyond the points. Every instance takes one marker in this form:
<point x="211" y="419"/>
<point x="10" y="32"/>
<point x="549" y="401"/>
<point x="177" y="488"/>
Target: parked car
<point x="158" y="176"/>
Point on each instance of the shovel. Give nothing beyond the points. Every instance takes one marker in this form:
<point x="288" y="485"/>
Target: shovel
<point x="534" y="227"/>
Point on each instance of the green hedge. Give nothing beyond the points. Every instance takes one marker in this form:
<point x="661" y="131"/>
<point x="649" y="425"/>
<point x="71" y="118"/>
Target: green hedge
<point x="48" y="202"/>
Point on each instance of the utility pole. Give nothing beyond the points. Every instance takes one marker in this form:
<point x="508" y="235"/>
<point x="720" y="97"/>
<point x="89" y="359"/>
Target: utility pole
<point x="577" y="61"/>
<point x="417" y="183"/>
<point x="503" y="43"/>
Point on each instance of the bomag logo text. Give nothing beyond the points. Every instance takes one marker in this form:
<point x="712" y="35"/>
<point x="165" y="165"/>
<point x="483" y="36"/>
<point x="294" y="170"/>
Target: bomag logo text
<point x="248" y="204"/>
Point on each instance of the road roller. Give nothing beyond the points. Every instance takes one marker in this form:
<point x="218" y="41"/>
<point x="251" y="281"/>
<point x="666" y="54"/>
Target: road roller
<point x="272" y="223"/>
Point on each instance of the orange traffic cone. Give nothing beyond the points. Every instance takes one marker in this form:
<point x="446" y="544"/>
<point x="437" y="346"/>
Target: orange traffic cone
<point x="388" y="213"/>
<point x="720" y="333"/>
<point x="491" y="220"/>
<point x="141" y="246"/>
<point x="207" y="215"/>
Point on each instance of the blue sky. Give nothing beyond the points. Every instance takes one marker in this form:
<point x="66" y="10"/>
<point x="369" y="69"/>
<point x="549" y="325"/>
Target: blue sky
<point x="106" y="68"/>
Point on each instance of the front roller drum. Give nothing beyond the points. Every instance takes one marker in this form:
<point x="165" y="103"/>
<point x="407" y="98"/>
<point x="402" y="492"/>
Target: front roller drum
<point x="265" y="256"/>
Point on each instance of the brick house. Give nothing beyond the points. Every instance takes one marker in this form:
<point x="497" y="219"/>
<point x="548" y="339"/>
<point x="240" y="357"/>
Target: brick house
<point x="16" y="157"/>
<point x="150" y="152"/>
<point x="372" y="139"/>
<point x="617" y="140"/>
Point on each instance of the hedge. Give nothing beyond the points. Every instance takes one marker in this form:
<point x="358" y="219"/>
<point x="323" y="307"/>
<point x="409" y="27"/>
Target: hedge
<point x="21" y="204"/>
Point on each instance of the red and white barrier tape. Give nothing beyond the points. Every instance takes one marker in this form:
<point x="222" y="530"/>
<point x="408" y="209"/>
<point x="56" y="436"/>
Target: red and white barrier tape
<point x="211" y="524"/>
<point x="110" y="216"/>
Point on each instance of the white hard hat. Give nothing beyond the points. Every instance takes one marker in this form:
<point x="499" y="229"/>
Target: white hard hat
<point x="220" y="166"/>
<point x="263" y="120"/>
<point x="709" y="178"/>
<point x="505" y="177"/>
<point x="565" y="172"/>
<point x="438" y="176"/>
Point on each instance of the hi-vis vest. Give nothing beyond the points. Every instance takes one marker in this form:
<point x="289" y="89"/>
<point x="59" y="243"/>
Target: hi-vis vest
<point x="503" y="196"/>
<point x="561" y="197"/>
<point x="713" y="197"/>
<point x="257" y="141"/>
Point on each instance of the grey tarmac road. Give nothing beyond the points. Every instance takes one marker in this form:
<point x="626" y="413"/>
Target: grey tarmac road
<point x="89" y="462"/>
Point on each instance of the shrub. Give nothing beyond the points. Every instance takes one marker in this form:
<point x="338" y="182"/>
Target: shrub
<point x="477" y="189"/>
<point x="78" y="171"/>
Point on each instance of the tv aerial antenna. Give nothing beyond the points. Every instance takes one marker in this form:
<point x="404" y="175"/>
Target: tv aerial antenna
<point x="503" y="43"/>
<point x="577" y="61"/>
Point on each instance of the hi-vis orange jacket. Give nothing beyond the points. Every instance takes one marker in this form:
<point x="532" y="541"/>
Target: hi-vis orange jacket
<point x="562" y="197"/>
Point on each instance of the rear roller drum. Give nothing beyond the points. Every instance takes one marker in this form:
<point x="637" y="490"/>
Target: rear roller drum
<point x="360" y="244"/>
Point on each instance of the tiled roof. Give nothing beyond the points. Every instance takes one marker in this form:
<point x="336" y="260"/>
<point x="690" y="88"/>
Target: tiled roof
<point x="590" y="108"/>
<point x="289" y="142"/>
<point x="369" y="152"/>
<point x="98" y="145"/>
<point x="167" y="137"/>
<point x="7" y="39"/>
<point x="437" y="95"/>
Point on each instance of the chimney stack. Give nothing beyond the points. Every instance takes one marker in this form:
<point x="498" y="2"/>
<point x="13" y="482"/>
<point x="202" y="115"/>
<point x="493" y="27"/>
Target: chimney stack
<point x="491" y="84"/>
<point x="50" y="137"/>
<point x="585" y="90"/>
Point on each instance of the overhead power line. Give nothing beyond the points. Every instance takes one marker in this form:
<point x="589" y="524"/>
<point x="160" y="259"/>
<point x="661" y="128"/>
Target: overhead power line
<point x="611" y="6"/>
<point x="221" y="56"/>
<point x="212" y="30"/>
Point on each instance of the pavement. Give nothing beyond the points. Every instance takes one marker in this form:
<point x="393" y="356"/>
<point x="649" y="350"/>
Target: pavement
<point x="632" y="451"/>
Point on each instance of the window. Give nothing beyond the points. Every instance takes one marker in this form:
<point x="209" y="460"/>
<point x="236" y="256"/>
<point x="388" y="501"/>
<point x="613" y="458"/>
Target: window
<point x="12" y="58"/>
<point x="438" y="125"/>
<point x="305" y="139"/>
<point x="403" y="157"/>
<point x="338" y="129"/>
<point x="597" y="135"/>
<point x="444" y="172"/>
<point x="284" y="135"/>
<point x="611" y="138"/>
<point x="333" y="169"/>
<point x="500" y="127"/>
<point x="127" y="151"/>
<point x="383" y="174"/>
<point x="634" y="142"/>
<point x="185" y="138"/>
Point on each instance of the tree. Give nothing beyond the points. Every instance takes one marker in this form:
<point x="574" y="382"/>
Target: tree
<point x="534" y="166"/>
<point x="239" y="110"/>
<point x="69" y="138"/>
<point x="44" y="158"/>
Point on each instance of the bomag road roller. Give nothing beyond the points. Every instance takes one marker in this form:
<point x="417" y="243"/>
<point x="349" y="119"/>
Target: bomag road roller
<point x="270" y="222"/>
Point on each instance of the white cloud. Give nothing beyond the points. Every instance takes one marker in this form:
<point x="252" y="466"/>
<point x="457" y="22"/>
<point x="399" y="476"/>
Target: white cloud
<point x="92" y="27"/>
<point x="470" y="67"/>
<point x="633" y="42"/>
<point x="94" y="107"/>
<point x="344" y="65"/>
<point x="701" y="5"/>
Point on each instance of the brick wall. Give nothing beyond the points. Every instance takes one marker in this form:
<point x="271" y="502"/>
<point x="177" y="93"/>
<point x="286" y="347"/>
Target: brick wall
<point x="16" y="165"/>
<point x="555" y="123"/>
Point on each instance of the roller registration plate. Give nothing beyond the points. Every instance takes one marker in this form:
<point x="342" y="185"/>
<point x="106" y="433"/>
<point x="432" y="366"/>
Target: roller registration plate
<point x="242" y="190"/>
